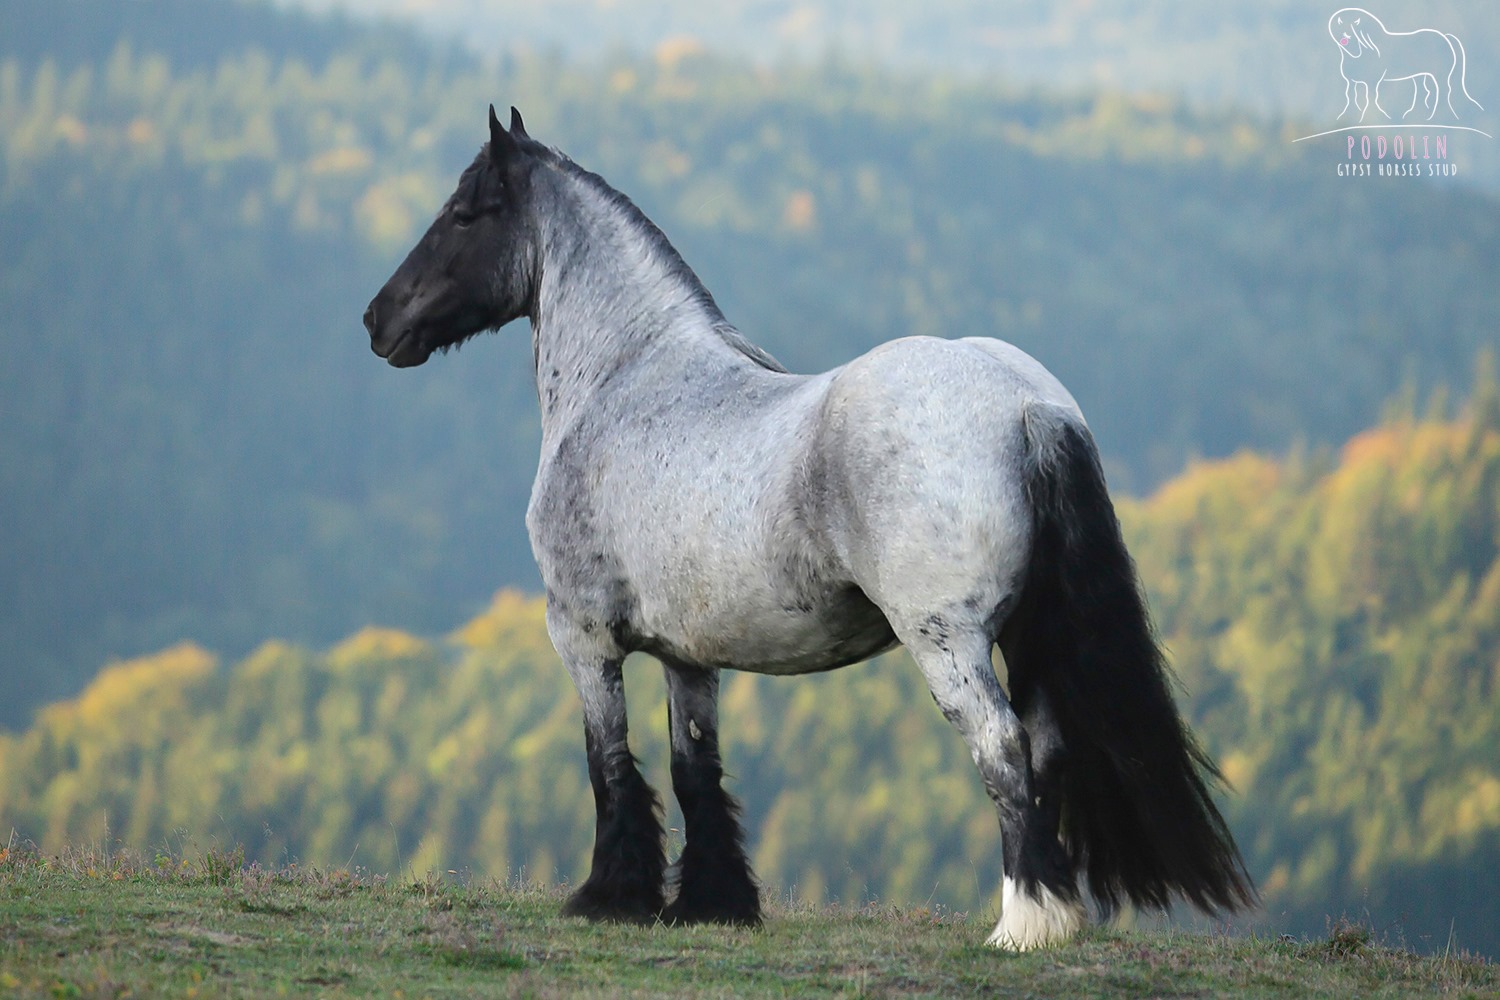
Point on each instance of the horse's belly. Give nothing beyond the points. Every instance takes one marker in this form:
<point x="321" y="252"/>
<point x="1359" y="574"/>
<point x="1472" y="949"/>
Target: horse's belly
<point x="832" y="630"/>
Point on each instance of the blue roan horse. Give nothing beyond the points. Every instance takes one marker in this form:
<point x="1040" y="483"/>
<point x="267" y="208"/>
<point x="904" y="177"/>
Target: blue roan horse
<point x="696" y="501"/>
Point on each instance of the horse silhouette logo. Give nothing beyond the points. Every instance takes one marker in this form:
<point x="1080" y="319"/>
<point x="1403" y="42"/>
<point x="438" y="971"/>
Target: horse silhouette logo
<point x="1372" y="55"/>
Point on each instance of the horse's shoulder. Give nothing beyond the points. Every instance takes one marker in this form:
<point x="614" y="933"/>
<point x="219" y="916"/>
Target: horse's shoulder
<point x="562" y="489"/>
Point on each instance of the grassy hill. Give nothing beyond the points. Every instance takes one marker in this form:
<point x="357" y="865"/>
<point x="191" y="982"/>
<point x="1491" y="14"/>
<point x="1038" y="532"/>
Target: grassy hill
<point x="197" y="208"/>
<point x="95" y="924"/>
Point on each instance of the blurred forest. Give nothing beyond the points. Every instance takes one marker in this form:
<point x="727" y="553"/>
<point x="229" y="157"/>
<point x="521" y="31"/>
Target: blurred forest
<point x="1334" y="620"/>
<point x="197" y="201"/>
<point x="1273" y="57"/>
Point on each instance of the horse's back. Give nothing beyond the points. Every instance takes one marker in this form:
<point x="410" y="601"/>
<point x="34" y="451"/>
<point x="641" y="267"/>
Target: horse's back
<point x="1425" y="51"/>
<point x="1032" y="379"/>
<point x="943" y="404"/>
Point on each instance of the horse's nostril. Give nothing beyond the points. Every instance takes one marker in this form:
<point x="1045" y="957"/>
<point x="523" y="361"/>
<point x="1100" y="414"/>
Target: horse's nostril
<point x="370" y="319"/>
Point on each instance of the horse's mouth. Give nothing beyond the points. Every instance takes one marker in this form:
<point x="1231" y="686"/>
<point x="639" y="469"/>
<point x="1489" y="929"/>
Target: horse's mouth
<point x="407" y="351"/>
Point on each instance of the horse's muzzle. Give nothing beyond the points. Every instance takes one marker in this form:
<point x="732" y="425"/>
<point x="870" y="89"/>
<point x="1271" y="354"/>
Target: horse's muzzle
<point x="401" y="347"/>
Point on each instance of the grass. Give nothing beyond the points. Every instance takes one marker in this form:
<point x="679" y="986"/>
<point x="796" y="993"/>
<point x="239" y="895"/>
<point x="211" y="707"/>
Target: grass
<point x="97" y="924"/>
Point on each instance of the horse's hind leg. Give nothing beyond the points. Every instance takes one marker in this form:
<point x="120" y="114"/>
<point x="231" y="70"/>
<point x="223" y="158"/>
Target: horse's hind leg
<point x="715" y="883"/>
<point x="1040" y="903"/>
<point x="1048" y="753"/>
<point x="625" y="881"/>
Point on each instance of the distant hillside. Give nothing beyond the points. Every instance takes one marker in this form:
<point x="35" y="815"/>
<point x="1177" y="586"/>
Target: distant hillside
<point x="1273" y="57"/>
<point x="1336" y="623"/>
<point x="1270" y="55"/>
<point x="199" y="444"/>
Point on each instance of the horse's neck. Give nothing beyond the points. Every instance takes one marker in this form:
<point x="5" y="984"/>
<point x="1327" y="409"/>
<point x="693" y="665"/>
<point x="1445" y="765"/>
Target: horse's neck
<point x="609" y="298"/>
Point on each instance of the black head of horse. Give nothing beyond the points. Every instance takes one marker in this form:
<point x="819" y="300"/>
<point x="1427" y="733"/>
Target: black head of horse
<point x="474" y="268"/>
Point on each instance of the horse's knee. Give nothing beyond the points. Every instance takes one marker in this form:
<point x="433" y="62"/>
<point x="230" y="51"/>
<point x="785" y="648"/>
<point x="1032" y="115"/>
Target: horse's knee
<point x="963" y="684"/>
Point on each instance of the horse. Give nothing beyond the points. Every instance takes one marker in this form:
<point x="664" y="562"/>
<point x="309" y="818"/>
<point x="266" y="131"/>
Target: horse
<point x="1370" y="54"/>
<point x="696" y="501"/>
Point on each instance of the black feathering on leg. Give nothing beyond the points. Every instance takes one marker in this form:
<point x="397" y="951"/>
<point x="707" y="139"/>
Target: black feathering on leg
<point x="629" y="863"/>
<point x="714" y="881"/>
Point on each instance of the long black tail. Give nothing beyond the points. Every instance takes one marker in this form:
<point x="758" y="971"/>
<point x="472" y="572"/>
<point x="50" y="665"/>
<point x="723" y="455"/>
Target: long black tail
<point x="1137" y="814"/>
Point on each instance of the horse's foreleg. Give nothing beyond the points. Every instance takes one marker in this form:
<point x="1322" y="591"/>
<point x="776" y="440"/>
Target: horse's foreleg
<point x="1375" y="95"/>
<point x="1041" y="903"/>
<point x="715" y="882"/>
<point x="1414" y="93"/>
<point x="625" y="881"/>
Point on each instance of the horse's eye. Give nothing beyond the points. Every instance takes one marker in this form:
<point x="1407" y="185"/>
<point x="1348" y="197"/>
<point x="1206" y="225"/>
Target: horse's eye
<point x="464" y="217"/>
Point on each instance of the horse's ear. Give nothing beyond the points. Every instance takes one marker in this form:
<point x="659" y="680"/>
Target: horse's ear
<point x="517" y="127"/>
<point x="502" y="144"/>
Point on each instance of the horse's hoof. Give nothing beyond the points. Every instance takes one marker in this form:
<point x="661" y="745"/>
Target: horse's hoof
<point x="600" y="904"/>
<point x="1042" y="922"/>
<point x="721" y="893"/>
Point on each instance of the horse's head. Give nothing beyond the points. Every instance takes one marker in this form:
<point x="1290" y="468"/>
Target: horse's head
<point x="1351" y="28"/>
<point x="473" y="270"/>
